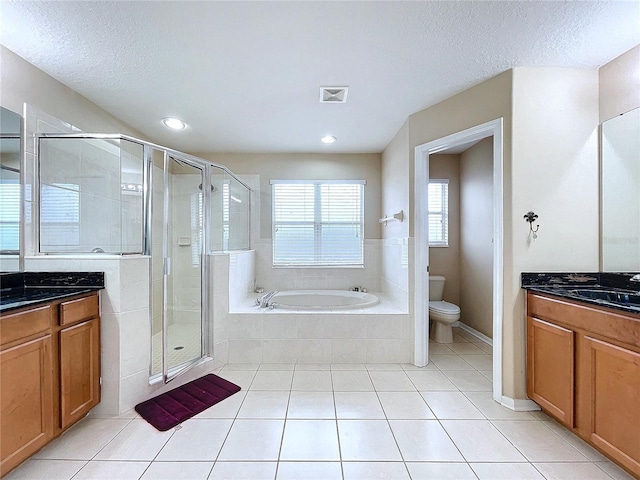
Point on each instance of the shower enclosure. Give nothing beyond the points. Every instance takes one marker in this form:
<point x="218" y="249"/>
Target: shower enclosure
<point x="112" y="194"/>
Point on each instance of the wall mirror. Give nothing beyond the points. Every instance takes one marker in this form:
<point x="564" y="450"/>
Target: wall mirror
<point x="10" y="191"/>
<point x="620" y="193"/>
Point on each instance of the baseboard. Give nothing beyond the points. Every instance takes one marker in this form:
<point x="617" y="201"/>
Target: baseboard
<point x="474" y="332"/>
<point x="519" y="405"/>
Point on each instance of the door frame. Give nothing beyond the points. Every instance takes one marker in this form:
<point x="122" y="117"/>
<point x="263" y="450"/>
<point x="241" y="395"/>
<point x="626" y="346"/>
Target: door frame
<point x="493" y="128"/>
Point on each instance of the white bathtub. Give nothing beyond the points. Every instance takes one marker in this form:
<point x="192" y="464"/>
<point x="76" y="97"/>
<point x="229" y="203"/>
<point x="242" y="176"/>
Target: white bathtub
<point x="322" y="299"/>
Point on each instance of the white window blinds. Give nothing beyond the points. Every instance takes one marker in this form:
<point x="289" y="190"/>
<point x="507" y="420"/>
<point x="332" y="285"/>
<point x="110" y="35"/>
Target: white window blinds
<point x="318" y="223"/>
<point x="438" y="213"/>
<point x="10" y="216"/>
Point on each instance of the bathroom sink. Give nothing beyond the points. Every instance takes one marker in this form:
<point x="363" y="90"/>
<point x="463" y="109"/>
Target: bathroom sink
<point x="609" y="296"/>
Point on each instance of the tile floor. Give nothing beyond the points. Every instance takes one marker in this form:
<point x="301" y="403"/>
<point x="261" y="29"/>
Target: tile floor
<point x="346" y="422"/>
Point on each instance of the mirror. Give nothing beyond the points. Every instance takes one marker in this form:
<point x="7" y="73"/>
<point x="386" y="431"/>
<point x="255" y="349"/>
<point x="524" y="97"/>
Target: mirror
<point x="620" y="193"/>
<point x="10" y="197"/>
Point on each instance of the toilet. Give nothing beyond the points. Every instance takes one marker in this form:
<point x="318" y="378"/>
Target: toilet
<point x="442" y="314"/>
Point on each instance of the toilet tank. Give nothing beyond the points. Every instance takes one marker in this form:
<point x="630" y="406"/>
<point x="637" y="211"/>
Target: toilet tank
<point x="436" y="287"/>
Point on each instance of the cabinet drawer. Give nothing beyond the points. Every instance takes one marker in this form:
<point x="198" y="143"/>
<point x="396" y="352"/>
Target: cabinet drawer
<point x="81" y="309"/>
<point x="24" y="324"/>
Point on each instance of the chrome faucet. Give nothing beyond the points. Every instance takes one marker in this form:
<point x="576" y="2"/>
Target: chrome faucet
<point x="636" y="278"/>
<point x="263" y="301"/>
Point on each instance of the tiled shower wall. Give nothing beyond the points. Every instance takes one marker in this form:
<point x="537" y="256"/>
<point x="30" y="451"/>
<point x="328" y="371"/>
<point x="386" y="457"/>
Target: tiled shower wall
<point x="394" y="278"/>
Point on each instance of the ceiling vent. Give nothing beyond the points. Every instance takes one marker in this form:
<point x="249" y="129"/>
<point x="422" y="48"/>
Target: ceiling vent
<point x="333" y="94"/>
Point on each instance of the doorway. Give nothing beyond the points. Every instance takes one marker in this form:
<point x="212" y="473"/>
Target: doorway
<point x="421" y="233"/>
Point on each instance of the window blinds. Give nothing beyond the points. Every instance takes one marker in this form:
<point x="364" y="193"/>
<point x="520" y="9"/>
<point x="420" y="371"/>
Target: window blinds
<point x="438" y="213"/>
<point x="10" y="216"/>
<point x="318" y="223"/>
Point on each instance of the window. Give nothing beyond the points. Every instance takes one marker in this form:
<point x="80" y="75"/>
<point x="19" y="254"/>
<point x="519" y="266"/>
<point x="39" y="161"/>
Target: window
<point x="60" y="216"/>
<point x="10" y="216"/>
<point x="438" y="213"/>
<point x="318" y="223"/>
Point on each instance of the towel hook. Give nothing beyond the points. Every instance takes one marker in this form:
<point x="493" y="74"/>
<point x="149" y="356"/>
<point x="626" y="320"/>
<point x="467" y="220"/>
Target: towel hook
<point x="532" y="217"/>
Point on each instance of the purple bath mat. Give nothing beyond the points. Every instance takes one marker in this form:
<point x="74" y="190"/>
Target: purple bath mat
<point x="175" y="406"/>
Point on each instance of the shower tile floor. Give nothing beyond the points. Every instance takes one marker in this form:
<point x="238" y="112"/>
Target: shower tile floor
<point x="184" y="344"/>
<point x="338" y="421"/>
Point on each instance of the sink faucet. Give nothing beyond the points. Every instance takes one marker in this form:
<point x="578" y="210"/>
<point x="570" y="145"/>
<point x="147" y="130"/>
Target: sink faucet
<point x="636" y="278"/>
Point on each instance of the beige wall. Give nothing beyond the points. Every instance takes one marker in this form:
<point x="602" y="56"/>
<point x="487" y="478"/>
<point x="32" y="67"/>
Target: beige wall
<point x="446" y="260"/>
<point x="395" y="183"/>
<point x="476" y="237"/>
<point x="303" y="166"/>
<point x="620" y="84"/>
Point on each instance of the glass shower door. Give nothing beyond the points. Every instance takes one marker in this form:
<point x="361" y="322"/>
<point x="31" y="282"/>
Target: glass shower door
<point x="183" y="268"/>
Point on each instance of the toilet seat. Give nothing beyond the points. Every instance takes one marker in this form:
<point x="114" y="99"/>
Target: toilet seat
<point x="444" y="308"/>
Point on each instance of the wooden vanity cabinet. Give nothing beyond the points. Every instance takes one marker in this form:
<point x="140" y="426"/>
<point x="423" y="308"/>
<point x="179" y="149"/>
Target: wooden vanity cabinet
<point x="583" y="368"/>
<point x="49" y="373"/>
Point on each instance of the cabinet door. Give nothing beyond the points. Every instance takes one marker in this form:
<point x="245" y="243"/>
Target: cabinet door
<point x="26" y="415"/>
<point x="79" y="370"/>
<point x="615" y="392"/>
<point x="550" y="369"/>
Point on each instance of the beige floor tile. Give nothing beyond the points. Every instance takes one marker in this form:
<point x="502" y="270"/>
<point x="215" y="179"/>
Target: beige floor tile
<point x="479" y="362"/>
<point x="488" y="374"/>
<point x="469" y="381"/>
<point x="347" y="366"/>
<point x="311" y="405"/>
<point x="196" y="441"/>
<point x="277" y="366"/>
<point x="571" y="471"/>
<point x="480" y="441"/>
<point x="576" y="442"/>
<point x="440" y="471"/>
<point x="367" y="440"/>
<point x="227" y="408"/>
<point x="485" y="347"/>
<point x="439" y="348"/>
<point x="265" y="404"/>
<point x="309" y="471"/>
<point x="537" y="442"/>
<point x="506" y="471"/>
<point x="243" y="471"/>
<point x="466" y="348"/>
<point x="392" y="381"/>
<point x="375" y="470"/>
<point x="35" y="469"/>
<point x="253" y="440"/>
<point x="358" y="405"/>
<point x="351" y="381"/>
<point x="491" y="409"/>
<point x="313" y="366"/>
<point x="242" y="378"/>
<point x="424" y="441"/>
<point x="451" y="405"/>
<point x="310" y="440"/>
<point x="318" y="381"/>
<point x="178" y="471"/>
<point x="232" y="367"/>
<point x="450" y="362"/>
<point x="84" y="440"/>
<point x="103" y="470"/>
<point x="383" y="366"/>
<point x="614" y="471"/>
<point x="269" y="380"/>
<point x="431" y="381"/>
<point x="137" y="441"/>
<point x="405" y="406"/>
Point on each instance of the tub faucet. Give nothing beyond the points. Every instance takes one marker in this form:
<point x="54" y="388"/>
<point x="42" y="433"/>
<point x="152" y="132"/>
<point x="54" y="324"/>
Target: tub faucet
<point x="263" y="301"/>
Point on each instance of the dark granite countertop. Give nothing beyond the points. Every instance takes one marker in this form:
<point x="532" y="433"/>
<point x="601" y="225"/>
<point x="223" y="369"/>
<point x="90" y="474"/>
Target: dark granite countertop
<point x="18" y="290"/>
<point x="565" y="285"/>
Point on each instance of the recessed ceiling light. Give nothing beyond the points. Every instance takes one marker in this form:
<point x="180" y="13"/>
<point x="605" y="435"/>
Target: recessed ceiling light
<point x="174" y="123"/>
<point x="328" y="139"/>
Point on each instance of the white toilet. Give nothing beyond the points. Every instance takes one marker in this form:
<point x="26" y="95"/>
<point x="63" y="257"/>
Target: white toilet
<point x="443" y="314"/>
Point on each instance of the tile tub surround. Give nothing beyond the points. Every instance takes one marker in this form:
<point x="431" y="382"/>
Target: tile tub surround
<point x="23" y="289"/>
<point x="426" y="424"/>
<point x="561" y="284"/>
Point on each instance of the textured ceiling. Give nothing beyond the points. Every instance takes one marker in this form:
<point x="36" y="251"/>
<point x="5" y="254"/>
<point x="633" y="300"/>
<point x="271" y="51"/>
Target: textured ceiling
<point x="245" y="75"/>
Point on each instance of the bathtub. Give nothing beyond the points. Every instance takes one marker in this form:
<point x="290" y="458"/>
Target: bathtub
<point x="322" y="300"/>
